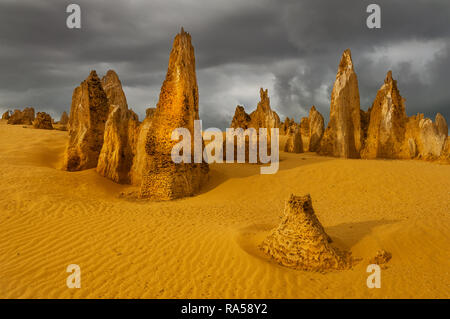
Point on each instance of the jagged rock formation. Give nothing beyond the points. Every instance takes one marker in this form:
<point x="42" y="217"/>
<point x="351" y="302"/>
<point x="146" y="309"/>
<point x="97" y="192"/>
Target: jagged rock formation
<point x="116" y="156"/>
<point x="140" y="158"/>
<point x="294" y="143"/>
<point x="445" y="153"/>
<point x="387" y="125"/>
<point x="149" y="112"/>
<point x="87" y="119"/>
<point x="300" y="240"/>
<point x="177" y="108"/>
<point x="6" y="115"/>
<point x="25" y="117"/>
<point x="342" y="137"/>
<point x="240" y="119"/>
<point x="423" y="138"/>
<point x="264" y="116"/>
<point x="304" y="131"/>
<point x="64" y="120"/>
<point x="43" y="121"/>
<point x="441" y="125"/>
<point x="430" y="141"/>
<point x="316" y="129"/>
<point x="285" y="127"/>
<point x="311" y="129"/>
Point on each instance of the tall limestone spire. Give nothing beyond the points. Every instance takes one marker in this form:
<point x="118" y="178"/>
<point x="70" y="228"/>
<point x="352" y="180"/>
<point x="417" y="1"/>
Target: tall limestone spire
<point x="177" y="108"/>
<point x="342" y="137"/>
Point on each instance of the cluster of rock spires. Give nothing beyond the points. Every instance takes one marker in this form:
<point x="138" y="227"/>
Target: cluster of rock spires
<point x="41" y="120"/>
<point x="383" y="131"/>
<point x="106" y="135"/>
<point x="18" y="117"/>
<point x="300" y="240"/>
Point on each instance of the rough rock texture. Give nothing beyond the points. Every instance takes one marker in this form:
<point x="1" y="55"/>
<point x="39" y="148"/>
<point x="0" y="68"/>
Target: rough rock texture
<point x="87" y="119"/>
<point x="140" y="157"/>
<point x="304" y="131"/>
<point x="316" y="129"/>
<point x="441" y="125"/>
<point x="6" y="115"/>
<point x="64" y="120"/>
<point x="286" y="126"/>
<point x="387" y="124"/>
<point x="240" y="119"/>
<point x="382" y="257"/>
<point x="342" y="137"/>
<point x="149" y="112"/>
<point x="300" y="241"/>
<point x="43" y="121"/>
<point x="430" y="141"/>
<point x="445" y="153"/>
<point x="294" y="143"/>
<point x="25" y="117"/>
<point x="365" y="120"/>
<point x="423" y="138"/>
<point x="264" y="116"/>
<point x="177" y="108"/>
<point x="116" y="156"/>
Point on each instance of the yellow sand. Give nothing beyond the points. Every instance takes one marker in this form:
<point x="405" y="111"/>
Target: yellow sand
<point x="206" y="246"/>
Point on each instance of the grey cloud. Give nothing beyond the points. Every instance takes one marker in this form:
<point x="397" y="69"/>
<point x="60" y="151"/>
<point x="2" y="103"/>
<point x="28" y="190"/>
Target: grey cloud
<point x="291" y="47"/>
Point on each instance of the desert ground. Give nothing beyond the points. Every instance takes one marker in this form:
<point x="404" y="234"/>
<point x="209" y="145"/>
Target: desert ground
<point x="206" y="246"/>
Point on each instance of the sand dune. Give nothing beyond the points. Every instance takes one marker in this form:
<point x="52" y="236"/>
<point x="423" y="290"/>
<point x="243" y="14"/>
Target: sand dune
<point x="206" y="246"/>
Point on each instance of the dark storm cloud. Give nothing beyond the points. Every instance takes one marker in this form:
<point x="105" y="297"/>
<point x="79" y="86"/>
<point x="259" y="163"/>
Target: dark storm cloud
<point x="291" y="47"/>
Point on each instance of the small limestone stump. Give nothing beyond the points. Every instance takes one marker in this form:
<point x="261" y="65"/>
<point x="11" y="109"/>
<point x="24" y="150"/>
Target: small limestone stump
<point x="382" y="257"/>
<point x="43" y="121"/>
<point x="300" y="241"/>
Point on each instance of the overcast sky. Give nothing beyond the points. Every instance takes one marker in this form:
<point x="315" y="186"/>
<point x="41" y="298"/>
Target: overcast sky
<point x="292" y="48"/>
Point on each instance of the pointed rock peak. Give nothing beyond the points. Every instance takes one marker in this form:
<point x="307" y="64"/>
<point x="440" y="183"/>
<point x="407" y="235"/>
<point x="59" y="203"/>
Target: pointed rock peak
<point x="346" y="60"/>
<point x="265" y="101"/>
<point x="388" y="77"/>
<point x="111" y="75"/>
<point x="313" y="108"/>
<point x="263" y="94"/>
<point x="93" y="74"/>
<point x="183" y="35"/>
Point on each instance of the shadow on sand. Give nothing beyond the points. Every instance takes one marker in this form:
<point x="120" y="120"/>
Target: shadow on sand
<point x="221" y="172"/>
